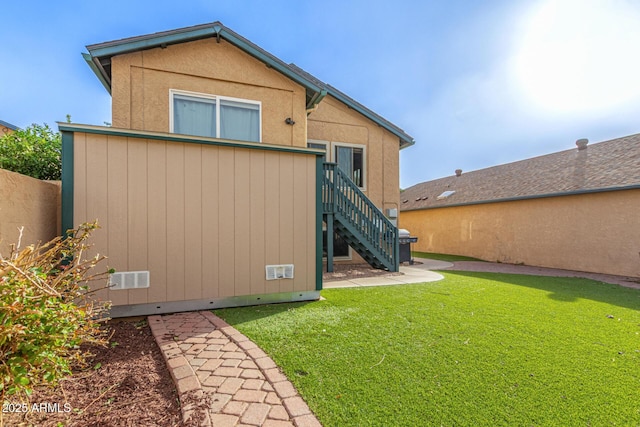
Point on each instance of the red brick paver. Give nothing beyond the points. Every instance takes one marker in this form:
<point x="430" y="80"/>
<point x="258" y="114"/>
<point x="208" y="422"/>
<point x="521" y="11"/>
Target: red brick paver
<point x="217" y="368"/>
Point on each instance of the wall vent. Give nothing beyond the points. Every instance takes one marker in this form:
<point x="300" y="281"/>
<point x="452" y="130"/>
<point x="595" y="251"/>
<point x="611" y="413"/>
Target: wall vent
<point x="129" y="280"/>
<point x="283" y="271"/>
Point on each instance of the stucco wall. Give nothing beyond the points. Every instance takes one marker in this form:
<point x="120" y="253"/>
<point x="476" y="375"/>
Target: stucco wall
<point x="205" y="220"/>
<point x="30" y="203"/>
<point x="141" y="82"/>
<point x="4" y="131"/>
<point x="598" y="232"/>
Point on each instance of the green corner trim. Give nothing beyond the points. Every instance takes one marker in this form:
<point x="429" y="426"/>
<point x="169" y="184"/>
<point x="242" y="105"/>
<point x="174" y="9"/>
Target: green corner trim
<point x="67" y="182"/>
<point x="102" y="76"/>
<point x="319" y="177"/>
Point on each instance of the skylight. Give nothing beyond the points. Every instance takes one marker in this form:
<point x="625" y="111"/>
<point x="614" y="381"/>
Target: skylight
<point x="445" y="194"/>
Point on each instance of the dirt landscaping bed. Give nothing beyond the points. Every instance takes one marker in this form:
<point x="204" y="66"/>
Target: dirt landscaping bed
<point x="126" y="384"/>
<point x="353" y="271"/>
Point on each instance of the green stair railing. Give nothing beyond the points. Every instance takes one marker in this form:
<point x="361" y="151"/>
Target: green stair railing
<point x="360" y="219"/>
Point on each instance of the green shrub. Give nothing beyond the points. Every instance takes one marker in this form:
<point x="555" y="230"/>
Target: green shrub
<point x="46" y="312"/>
<point x="34" y="151"/>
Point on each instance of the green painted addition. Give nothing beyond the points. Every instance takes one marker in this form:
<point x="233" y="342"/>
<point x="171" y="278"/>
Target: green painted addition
<point x="67" y="182"/>
<point x="319" y="180"/>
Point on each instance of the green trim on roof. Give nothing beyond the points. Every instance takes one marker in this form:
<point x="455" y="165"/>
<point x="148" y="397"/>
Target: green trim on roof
<point x="134" y="44"/>
<point x="405" y="140"/>
<point x="172" y="137"/>
<point x="316" y="99"/>
<point x="267" y="58"/>
<point x="98" y="71"/>
<point x="100" y="55"/>
<point x="151" y="41"/>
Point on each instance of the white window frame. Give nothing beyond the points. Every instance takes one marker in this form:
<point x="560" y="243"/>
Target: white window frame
<point x="216" y="98"/>
<point x="330" y="148"/>
<point x="327" y="147"/>
<point x="335" y="144"/>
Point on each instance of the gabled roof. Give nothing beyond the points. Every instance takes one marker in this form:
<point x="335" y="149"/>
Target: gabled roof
<point x="8" y="125"/>
<point x="99" y="59"/>
<point x="605" y="166"/>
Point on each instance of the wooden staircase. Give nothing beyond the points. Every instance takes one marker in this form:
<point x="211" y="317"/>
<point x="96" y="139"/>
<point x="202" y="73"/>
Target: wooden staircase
<point x="348" y="212"/>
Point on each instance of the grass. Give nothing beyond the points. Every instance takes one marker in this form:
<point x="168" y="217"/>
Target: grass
<point x="443" y="257"/>
<point x="473" y="349"/>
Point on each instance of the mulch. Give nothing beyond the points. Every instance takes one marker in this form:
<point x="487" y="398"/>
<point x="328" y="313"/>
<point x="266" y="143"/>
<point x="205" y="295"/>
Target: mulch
<point x="353" y="271"/>
<point x="126" y="384"/>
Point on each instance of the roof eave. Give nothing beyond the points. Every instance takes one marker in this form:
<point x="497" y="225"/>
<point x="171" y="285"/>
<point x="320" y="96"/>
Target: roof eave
<point x="270" y="61"/>
<point x="134" y="44"/>
<point x="528" y="197"/>
<point x="98" y="70"/>
<point x="98" y="53"/>
<point x="405" y="140"/>
<point x="405" y="143"/>
<point x="109" y="49"/>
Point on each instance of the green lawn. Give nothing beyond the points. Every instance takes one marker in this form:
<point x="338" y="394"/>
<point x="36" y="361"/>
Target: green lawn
<point x="473" y="349"/>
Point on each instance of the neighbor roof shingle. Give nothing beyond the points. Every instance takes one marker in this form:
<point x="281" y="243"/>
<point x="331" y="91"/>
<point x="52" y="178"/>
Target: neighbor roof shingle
<point x="603" y="166"/>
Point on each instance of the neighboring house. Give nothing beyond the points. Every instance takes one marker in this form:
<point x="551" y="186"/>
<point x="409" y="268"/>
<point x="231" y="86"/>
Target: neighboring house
<point x="6" y="128"/>
<point x="575" y="209"/>
<point x="214" y="170"/>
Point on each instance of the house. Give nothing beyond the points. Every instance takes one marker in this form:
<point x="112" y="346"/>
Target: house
<point x="222" y="172"/>
<point x="6" y="128"/>
<point x="574" y="209"/>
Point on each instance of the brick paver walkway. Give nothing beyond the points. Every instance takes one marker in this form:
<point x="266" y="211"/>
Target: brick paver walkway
<point x="223" y="378"/>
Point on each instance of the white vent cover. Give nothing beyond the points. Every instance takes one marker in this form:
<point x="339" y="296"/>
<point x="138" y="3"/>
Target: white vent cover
<point x="283" y="271"/>
<point x="129" y="280"/>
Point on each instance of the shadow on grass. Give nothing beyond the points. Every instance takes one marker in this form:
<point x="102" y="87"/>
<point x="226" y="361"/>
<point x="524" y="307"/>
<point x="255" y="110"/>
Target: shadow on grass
<point x="566" y="289"/>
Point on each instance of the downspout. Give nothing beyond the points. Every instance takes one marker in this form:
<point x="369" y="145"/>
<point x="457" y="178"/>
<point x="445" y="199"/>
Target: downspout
<point x="312" y="109"/>
<point x="315" y="100"/>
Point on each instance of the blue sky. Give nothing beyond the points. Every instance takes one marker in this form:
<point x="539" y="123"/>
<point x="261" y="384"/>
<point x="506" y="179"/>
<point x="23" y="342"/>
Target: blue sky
<point x="475" y="83"/>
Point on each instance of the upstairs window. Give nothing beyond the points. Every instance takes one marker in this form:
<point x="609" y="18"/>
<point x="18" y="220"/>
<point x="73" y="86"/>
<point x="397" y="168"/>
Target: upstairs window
<point x="215" y="116"/>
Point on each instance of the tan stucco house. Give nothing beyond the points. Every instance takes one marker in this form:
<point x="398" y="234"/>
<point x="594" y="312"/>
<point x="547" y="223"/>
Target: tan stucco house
<point x="223" y="170"/>
<point x="6" y="127"/>
<point x="575" y="209"/>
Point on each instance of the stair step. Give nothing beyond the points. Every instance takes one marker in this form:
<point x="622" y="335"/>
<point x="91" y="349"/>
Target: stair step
<point x="353" y="224"/>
